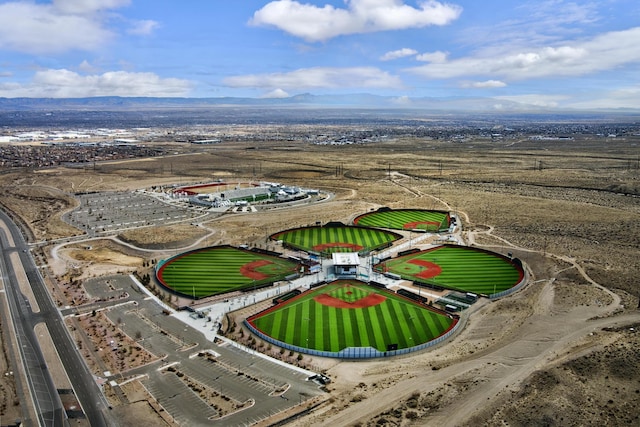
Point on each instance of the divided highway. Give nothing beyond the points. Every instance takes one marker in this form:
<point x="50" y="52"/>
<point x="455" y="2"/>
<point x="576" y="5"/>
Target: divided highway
<point x="44" y="395"/>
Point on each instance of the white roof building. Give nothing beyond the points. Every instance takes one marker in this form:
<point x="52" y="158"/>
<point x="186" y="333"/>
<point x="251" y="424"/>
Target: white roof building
<point x="345" y="258"/>
<point x="345" y="264"/>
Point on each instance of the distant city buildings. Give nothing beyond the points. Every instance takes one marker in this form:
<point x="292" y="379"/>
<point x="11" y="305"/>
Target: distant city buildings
<point x="66" y="141"/>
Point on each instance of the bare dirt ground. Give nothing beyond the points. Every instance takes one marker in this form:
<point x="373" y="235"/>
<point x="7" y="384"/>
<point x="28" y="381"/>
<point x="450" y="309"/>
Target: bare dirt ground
<point x="563" y="351"/>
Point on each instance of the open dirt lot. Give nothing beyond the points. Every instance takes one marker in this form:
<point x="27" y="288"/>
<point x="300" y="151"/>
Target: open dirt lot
<point x="563" y="351"/>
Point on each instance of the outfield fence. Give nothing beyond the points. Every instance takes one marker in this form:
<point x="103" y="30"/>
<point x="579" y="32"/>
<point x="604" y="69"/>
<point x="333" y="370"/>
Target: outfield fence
<point x="355" y="352"/>
<point x="517" y="287"/>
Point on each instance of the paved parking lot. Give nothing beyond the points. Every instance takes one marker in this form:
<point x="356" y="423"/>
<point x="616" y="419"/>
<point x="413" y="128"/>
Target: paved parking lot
<point x="264" y="385"/>
<point x="107" y="212"/>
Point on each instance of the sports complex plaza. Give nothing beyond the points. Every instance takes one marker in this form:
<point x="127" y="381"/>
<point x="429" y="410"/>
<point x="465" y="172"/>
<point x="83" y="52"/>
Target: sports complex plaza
<point x="390" y="282"/>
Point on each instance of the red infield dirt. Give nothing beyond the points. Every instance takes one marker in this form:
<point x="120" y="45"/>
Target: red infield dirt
<point x="249" y="269"/>
<point x="430" y="269"/>
<point x="368" y="301"/>
<point x="415" y="224"/>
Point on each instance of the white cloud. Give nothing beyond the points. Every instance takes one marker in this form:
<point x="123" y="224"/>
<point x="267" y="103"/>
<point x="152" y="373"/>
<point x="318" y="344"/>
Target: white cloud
<point x="60" y="25"/>
<point x="143" y="28"/>
<point x="35" y="28"/>
<point x="485" y="84"/>
<point x="603" y="52"/>
<point x="319" y="77"/>
<point x="87" y="6"/>
<point x="68" y="84"/>
<point x="313" y="23"/>
<point x="396" y="54"/>
<point x="86" y="67"/>
<point x="437" y="57"/>
<point x="533" y="23"/>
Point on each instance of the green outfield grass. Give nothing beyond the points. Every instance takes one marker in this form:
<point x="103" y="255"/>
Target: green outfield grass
<point x="406" y="219"/>
<point x="222" y="269"/>
<point x="457" y="267"/>
<point x="330" y="239"/>
<point x="349" y="313"/>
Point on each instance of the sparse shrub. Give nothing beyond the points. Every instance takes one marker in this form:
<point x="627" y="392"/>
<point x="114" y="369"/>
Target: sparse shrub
<point x="411" y="415"/>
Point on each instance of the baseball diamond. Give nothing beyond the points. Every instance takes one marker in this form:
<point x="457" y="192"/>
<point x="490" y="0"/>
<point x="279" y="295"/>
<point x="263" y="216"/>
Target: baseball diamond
<point x="329" y="239"/>
<point x="349" y="313"/>
<point x="217" y="270"/>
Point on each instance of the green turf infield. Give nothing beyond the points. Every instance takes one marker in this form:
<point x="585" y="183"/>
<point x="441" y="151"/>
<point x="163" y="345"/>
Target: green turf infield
<point x="217" y="270"/>
<point x="457" y="267"/>
<point x="349" y="313"/>
<point x="406" y="219"/>
<point x="329" y="239"/>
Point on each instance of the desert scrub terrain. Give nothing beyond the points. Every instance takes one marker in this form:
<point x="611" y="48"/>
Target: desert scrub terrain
<point x="568" y="209"/>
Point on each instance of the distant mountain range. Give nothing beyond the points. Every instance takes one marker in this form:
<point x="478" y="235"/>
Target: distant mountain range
<point x="306" y="100"/>
<point x="359" y="100"/>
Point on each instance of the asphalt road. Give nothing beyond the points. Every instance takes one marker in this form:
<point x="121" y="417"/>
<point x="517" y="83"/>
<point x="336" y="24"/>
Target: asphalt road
<point x="45" y="395"/>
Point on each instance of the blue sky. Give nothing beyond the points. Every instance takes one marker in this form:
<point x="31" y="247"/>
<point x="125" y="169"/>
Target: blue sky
<point x="555" y="53"/>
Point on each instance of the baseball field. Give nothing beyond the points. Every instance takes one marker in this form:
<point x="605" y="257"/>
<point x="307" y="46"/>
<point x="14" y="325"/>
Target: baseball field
<point x="349" y="313"/>
<point x="457" y="267"/>
<point x="329" y="239"/>
<point x="221" y="269"/>
<point x="405" y="219"/>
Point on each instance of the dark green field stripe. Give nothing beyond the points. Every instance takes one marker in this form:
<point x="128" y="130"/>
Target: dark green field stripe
<point x="393" y="313"/>
<point x="363" y="319"/>
<point x="285" y="325"/>
<point x="291" y="336"/>
<point x="334" y="332"/>
<point x="373" y="331"/>
<point x="358" y="338"/>
<point x="329" y="326"/>
<point x="304" y="323"/>
<point x="317" y="333"/>
<point x="371" y="334"/>
<point x="275" y="324"/>
<point x="346" y="319"/>
<point x="341" y="337"/>
<point x="386" y="336"/>
<point x="408" y="329"/>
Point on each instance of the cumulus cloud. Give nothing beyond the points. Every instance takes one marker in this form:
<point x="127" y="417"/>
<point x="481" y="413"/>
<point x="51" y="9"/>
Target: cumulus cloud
<point x="485" y="84"/>
<point x="319" y="77"/>
<point x="313" y="23"/>
<point x="63" y="83"/>
<point x="603" y="52"/>
<point x="396" y="54"/>
<point x="60" y="25"/>
<point x="87" y="6"/>
<point x="437" y="57"/>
